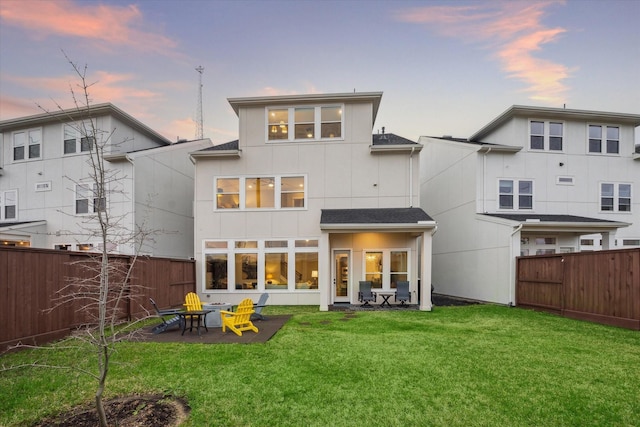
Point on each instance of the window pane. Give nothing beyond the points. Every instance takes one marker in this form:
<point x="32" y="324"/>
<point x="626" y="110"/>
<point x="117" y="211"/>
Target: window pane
<point x="275" y="270"/>
<point x="595" y="132"/>
<point x="246" y="270"/>
<point x="607" y="190"/>
<point x="331" y="114"/>
<point x="307" y="270"/>
<point x="506" y="187"/>
<point x="555" y="129"/>
<point x="306" y="243"/>
<point x="606" y="203"/>
<point x="260" y="192"/>
<point x="34" y="144"/>
<point x="304" y="115"/>
<point x="537" y="128"/>
<point x="305" y="131"/>
<point x="624" y="190"/>
<point x="86" y="144"/>
<point x="331" y="130"/>
<point x="624" y="204"/>
<point x="18" y="153"/>
<point x="216" y="276"/>
<point x="216" y="245"/>
<point x="613" y="133"/>
<point x="525" y="202"/>
<point x="82" y="206"/>
<point x="373" y="267"/>
<point x="612" y="146"/>
<point x="244" y="244"/>
<point x="399" y="267"/>
<point x="34" y="151"/>
<point x="228" y="193"/>
<point x="69" y="146"/>
<point x="537" y="142"/>
<point x="595" y="146"/>
<point x="525" y="187"/>
<point x="545" y="240"/>
<point x="292" y="192"/>
<point x="278" y="124"/>
<point x="10" y="212"/>
<point x="506" y="202"/>
<point x="555" y="143"/>
<point x="275" y="244"/>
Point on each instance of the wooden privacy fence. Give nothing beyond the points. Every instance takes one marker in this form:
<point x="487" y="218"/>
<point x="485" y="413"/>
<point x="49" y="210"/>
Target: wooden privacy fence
<point x="602" y="286"/>
<point x="31" y="280"/>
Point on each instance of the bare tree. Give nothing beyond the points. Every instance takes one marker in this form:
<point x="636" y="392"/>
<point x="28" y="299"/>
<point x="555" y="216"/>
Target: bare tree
<point x="103" y="289"/>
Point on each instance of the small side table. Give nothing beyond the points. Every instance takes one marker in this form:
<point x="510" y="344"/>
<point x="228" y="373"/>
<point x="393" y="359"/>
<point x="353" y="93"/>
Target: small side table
<point x="385" y="297"/>
<point x="200" y="317"/>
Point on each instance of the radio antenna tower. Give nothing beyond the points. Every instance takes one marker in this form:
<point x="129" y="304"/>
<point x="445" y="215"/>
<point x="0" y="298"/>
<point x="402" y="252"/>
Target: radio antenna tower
<point x="199" y="132"/>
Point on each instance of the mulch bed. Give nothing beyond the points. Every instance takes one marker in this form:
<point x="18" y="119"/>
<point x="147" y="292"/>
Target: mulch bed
<point x="267" y="328"/>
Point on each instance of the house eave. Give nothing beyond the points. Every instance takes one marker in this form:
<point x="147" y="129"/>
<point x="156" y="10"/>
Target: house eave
<point x="575" y="227"/>
<point x="216" y="154"/>
<point x="395" y="148"/>
<point x="395" y="227"/>
<point x="499" y="149"/>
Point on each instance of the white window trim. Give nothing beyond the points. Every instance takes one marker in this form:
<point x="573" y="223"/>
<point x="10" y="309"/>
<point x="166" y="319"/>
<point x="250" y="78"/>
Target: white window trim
<point x="277" y="193"/>
<point x="386" y="266"/>
<point x="546" y="140"/>
<point x="291" y="123"/>
<point x="291" y="250"/>
<point x="3" y="201"/>
<point x="26" y="157"/>
<point x="91" y="186"/>
<point x="516" y="194"/>
<point x="78" y="130"/>
<point x="603" y="140"/>
<point x="616" y="197"/>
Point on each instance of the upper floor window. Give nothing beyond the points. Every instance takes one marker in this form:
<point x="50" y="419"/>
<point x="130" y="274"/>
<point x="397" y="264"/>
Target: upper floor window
<point x="89" y="198"/>
<point x="267" y="192"/>
<point x="304" y="123"/>
<point x="515" y="194"/>
<point x="545" y="135"/>
<point x="604" y="139"/>
<point x="8" y="205"/>
<point x="76" y="138"/>
<point x="615" y="197"/>
<point x="26" y="144"/>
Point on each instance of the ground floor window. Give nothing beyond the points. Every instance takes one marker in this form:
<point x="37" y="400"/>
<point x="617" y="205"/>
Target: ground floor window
<point x="538" y="245"/>
<point x="285" y="264"/>
<point x="384" y="268"/>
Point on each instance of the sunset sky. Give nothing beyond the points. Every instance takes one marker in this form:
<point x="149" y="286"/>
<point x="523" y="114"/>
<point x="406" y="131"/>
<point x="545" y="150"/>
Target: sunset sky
<point x="445" y="67"/>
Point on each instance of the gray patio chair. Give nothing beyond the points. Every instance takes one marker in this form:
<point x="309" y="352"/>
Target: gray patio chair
<point x="166" y="323"/>
<point x="365" y="294"/>
<point x="262" y="301"/>
<point x="402" y="292"/>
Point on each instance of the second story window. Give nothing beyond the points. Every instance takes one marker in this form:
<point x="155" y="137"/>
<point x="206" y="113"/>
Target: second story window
<point x="8" y="205"/>
<point x="304" y="123"/>
<point x="76" y="139"/>
<point x="26" y="144"/>
<point x="89" y="199"/>
<point x="615" y="197"/>
<point x="604" y="139"/>
<point x="545" y="135"/>
<point x="515" y="194"/>
<point x="266" y="192"/>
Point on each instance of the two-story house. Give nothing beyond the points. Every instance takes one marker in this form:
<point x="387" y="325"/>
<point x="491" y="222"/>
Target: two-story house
<point x="47" y="194"/>
<point x="307" y="203"/>
<point x="533" y="181"/>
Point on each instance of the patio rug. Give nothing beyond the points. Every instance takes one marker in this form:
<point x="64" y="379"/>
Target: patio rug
<point x="267" y="328"/>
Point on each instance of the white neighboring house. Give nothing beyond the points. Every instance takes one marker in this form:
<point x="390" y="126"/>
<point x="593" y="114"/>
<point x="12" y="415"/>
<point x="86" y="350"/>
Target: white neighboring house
<point x="533" y="181"/>
<point x="46" y="193"/>
<point x="307" y="203"/>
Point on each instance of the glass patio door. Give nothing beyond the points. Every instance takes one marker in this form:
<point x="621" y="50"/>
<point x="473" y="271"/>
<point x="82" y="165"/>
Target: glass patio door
<point x="341" y="275"/>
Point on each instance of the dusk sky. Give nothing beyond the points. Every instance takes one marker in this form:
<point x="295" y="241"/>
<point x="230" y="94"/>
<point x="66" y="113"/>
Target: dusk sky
<point x="445" y="67"/>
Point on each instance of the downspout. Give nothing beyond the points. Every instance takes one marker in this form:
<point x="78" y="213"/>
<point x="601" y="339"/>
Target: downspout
<point x="133" y="193"/>
<point x="484" y="180"/>
<point x="411" y="177"/>
<point x="511" y="264"/>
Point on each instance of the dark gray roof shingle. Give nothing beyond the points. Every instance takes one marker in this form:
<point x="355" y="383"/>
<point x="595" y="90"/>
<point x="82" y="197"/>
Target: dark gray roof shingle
<point x="391" y="139"/>
<point x="374" y="216"/>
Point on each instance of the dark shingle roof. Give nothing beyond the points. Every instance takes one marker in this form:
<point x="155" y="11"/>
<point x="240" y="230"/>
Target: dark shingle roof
<point x="374" y="216"/>
<point x="547" y="218"/>
<point x="231" y="145"/>
<point x="391" y="139"/>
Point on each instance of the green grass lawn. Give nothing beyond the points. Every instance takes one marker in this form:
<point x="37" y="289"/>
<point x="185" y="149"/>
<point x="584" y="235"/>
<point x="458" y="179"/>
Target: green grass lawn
<point x="478" y="365"/>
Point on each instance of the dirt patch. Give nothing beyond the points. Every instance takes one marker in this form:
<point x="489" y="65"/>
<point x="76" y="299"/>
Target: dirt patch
<point x="130" y="411"/>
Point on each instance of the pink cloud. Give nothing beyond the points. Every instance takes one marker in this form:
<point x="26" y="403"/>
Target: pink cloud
<point x="514" y="30"/>
<point x="111" y="25"/>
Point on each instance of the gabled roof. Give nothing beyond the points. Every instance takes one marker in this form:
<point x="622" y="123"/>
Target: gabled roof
<point x="375" y="218"/>
<point x="559" y="222"/>
<point x="385" y="142"/>
<point x="314" y="98"/>
<point x="227" y="149"/>
<point x="555" y="113"/>
<point x="73" y="114"/>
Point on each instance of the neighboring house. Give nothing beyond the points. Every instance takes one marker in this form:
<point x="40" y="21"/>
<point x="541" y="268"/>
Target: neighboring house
<point x="307" y="203"/>
<point x="533" y="181"/>
<point x="47" y="194"/>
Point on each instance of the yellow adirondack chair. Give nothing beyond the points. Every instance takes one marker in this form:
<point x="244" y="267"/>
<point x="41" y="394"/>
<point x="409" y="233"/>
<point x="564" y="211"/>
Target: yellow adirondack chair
<point x="192" y="302"/>
<point x="239" y="320"/>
